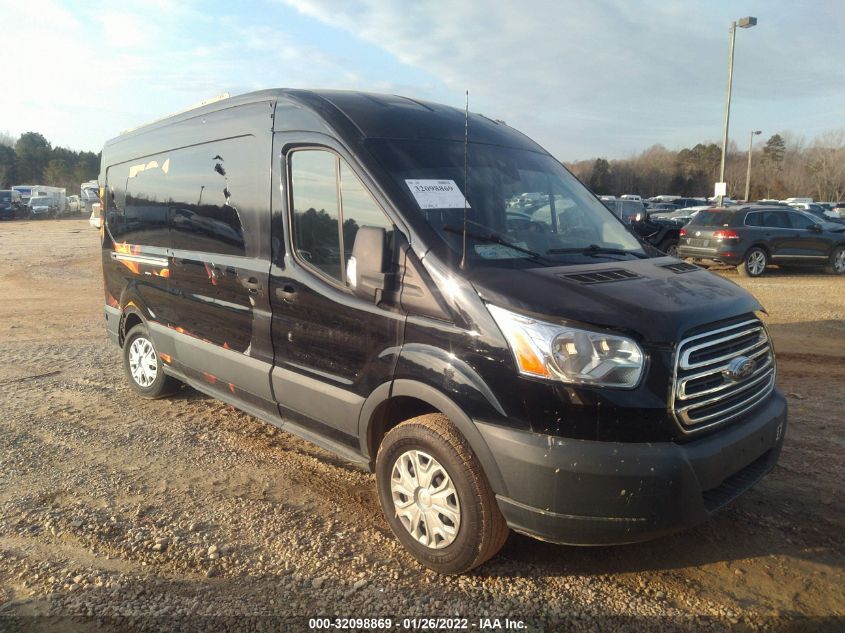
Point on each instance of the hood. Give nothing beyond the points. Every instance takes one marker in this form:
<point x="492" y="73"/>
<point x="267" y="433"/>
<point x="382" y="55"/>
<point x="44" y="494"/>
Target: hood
<point x="660" y="298"/>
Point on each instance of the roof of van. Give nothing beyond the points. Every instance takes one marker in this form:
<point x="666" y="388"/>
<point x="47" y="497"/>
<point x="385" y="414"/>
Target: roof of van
<point x="367" y="115"/>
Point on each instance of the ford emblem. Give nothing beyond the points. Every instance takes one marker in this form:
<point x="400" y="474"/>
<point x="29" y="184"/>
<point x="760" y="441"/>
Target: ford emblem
<point x="740" y="368"/>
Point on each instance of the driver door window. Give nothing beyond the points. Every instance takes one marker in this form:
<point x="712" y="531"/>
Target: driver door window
<point x="329" y="205"/>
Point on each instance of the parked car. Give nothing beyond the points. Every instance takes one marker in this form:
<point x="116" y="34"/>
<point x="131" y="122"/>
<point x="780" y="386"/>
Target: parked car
<point x="661" y="234"/>
<point x="752" y="237"/>
<point x="816" y="209"/>
<point x="501" y="351"/>
<point x="662" y="207"/>
<point x="10" y="204"/>
<point x="839" y="209"/>
<point x="679" y="216"/>
<point x="40" y="207"/>
<point x="683" y="203"/>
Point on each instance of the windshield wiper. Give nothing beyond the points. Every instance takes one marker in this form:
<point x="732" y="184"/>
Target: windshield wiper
<point x="594" y="250"/>
<point x="491" y="238"/>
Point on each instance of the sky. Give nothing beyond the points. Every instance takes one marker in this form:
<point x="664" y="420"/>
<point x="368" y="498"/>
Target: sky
<point x="584" y="78"/>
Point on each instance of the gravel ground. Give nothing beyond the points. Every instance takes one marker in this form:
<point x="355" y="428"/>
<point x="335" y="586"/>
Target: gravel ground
<point x="121" y="514"/>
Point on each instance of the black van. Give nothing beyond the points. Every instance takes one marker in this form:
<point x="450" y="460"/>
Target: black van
<point x="466" y="320"/>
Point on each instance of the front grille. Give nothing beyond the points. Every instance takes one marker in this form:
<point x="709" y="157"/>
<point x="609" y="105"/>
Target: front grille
<point x="703" y="395"/>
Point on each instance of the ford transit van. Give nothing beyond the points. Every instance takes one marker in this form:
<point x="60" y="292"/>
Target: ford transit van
<point x="438" y="300"/>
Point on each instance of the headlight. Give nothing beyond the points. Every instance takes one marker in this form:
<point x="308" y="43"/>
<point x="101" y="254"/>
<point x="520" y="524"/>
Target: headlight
<point x="569" y="354"/>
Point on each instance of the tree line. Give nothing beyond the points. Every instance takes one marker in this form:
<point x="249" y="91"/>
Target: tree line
<point x="32" y="160"/>
<point x="784" y="166"/>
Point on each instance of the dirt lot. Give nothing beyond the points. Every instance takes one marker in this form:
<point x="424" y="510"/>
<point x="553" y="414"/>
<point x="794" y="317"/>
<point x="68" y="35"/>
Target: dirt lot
<point x="185" y="514"/>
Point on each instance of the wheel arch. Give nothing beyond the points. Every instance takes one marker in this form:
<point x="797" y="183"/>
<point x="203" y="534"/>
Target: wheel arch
<point x="760" y="245"/>
<point x="392" y="403"/>
<point x="130" y="317"/>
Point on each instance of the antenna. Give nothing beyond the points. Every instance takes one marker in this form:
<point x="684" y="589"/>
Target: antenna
<point x="466" y="191"/>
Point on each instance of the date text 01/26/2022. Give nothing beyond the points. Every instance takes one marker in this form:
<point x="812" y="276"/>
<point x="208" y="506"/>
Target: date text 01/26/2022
<point x="417" y="624"/>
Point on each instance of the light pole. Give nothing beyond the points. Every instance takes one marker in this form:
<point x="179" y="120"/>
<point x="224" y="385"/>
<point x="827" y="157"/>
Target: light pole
<point x="748" y="171"/>
<point x="743" y="23"/>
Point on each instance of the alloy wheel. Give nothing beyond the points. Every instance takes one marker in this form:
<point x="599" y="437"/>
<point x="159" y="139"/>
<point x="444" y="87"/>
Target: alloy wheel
<point x="839" y="261"/>
<point x="756" y="262"/>
<point x="425" y="499"/>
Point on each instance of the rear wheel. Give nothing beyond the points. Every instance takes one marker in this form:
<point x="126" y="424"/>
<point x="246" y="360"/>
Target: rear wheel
<point x="836" y="265"/>
<point x="754" y="263"/>
<point x="435" y="496"/>
<point x="143" y="366"/>
<point x="669" y="246"/>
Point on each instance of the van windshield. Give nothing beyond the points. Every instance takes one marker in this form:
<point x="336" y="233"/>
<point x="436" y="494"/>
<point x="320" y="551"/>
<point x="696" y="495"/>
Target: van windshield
<point x="522" y="205"/>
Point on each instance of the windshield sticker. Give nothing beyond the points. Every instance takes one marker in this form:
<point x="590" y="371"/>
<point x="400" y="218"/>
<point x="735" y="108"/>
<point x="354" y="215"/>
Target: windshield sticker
<point x="498" y="251"/>
<point x="437" y="194"/>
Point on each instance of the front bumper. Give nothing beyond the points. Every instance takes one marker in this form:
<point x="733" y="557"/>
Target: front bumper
<point x="599" y="493"/>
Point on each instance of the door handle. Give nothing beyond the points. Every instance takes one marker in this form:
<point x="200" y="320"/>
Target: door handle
<point x="252" y="284"/>
<point x="286" y="293"/>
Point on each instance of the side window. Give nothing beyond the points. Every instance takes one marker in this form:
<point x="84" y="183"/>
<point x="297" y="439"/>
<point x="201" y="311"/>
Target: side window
<point x="329" y="205"/>
<point x="753" y="219"/>
<point x="146" y="209"/>
<point x="115" y="211"/>
<point x="316" y="211"/>
<point x="358" y="209"/>
<point x="799" y="221"/>
<point x="775" y="220"/>
<point x="203" y="196"/>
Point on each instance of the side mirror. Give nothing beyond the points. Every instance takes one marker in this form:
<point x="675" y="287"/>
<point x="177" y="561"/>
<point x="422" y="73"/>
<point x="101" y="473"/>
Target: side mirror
<point x="815" y="228"/>
<point x="368" y="270"/>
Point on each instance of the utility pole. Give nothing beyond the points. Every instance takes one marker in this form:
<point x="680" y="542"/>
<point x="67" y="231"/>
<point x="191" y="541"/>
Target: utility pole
<point x="743" y="23"/>
<point x="748" y="171"/>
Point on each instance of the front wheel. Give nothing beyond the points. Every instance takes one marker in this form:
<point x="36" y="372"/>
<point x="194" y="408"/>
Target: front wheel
<point x="435" y="496"/>
<point x="143" y="367"/>
<point x="836" y="265"/>
<point x="754" y="264"/>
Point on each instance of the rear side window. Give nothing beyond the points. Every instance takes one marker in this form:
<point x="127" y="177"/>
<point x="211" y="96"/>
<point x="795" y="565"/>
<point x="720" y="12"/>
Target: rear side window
<point x="754" y="219"/>
<point x="186" y="199"/>
<point x="145" y="217"/>
<point x="329" y="205"/>
<point x="205" y="193"/>
<point x="713" y="218"/>
<point x="775" y="220"/>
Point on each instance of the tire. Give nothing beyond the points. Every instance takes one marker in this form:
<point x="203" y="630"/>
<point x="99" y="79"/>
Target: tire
<point x="836" y="264"/>
<point x="143" y="367"/>
<point x="669" y="246"/>
<point x="754" y="263"/>
<point x="478" y="530"/>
